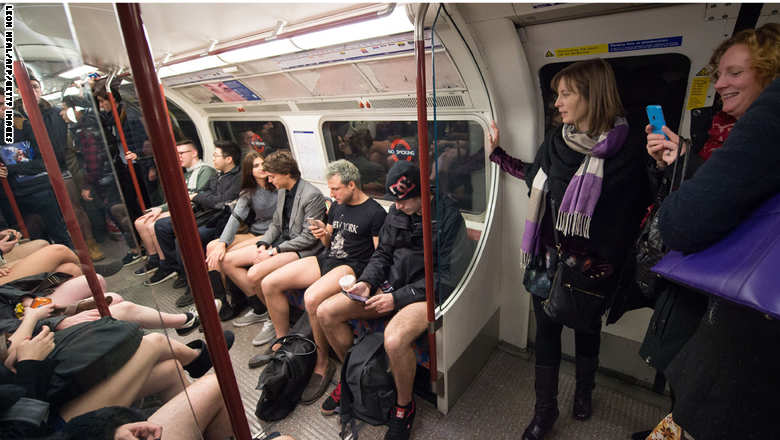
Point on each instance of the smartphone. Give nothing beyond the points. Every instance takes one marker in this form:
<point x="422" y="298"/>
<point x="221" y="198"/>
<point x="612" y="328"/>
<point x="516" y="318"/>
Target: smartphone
<point x="656" y="117"/>
<point x="354" y="297"/>
<point x="312" y="221"/>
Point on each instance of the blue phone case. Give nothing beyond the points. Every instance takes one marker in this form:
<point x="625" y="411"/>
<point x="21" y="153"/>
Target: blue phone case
<point x="656" y="117"/>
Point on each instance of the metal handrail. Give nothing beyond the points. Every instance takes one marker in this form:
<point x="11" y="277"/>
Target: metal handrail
<point x="169" y="171"/>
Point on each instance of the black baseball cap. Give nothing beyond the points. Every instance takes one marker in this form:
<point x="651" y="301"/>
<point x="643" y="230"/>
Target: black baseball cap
<point x="403" y="181"/>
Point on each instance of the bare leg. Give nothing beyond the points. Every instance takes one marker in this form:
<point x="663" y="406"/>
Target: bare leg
<point x="22" y="250"/>
<point x="124" y="386"/>
<point x="75" y="289"/>
<point x="47" y="259"/>
<point x="235" y="265"/>
<point x="177" y="420"/>
<point x="333" y="315"/>
<point x="298" y="274"/>
<point x="153" y="235"/>
<point x="146" y="317"/>
<point x="318" y="292"/>
<point x="406" y="326"/>
<point x="166" y="380"/>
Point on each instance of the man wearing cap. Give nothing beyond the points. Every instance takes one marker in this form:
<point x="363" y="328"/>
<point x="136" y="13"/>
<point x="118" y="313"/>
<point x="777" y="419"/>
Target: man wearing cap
<point x="394" y="282"/>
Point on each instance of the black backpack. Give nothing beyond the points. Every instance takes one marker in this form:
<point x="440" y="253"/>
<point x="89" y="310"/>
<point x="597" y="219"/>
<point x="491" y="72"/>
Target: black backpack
<point x="367" y="387"/>
<point x="285" y="377"/>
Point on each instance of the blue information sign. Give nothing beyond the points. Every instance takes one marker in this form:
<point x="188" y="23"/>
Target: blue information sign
<point x="654" y="43"/>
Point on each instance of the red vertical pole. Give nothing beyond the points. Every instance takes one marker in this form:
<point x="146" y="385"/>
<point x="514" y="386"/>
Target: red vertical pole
<point x="123" y="140"/>
<point x="15" y="208"/>
<point x="425" y="182"/>
<point x="170" y="173"/>
<point x="58" y="184"/>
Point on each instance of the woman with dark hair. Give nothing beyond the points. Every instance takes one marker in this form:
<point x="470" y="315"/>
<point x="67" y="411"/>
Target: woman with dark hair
<point x="255" y="207"/>
<point x="592" y="175"/>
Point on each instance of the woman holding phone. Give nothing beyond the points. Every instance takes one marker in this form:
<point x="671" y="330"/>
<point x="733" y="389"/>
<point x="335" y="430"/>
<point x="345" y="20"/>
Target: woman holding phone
<point x="743" y="67"/>
<point x="591" y="173"/>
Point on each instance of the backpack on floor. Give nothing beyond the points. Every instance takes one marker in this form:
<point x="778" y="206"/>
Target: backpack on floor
<point x="367" y="387"/>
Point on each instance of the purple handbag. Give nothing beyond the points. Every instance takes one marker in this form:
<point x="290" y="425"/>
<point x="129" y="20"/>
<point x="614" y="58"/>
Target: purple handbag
<point x="743" y="267"/>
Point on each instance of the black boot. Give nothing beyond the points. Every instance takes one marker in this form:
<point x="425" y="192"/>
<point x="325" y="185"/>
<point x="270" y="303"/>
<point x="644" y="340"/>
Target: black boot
<point x="586" y="381"/>
<point x="546" y="407"/>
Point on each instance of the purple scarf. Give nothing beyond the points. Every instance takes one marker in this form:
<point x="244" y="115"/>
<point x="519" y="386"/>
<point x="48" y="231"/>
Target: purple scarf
<point x="582" y="193"/>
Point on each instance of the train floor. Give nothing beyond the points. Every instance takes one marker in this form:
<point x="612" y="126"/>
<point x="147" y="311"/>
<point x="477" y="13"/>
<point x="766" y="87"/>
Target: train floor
<point x="497" y="405"/>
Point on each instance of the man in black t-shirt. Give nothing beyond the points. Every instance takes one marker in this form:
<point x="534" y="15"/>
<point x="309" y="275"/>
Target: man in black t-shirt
<point x="350" y="237"/>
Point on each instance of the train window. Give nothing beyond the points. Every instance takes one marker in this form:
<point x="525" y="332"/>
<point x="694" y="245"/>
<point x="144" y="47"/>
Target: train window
<point x="642" y="80"/>
<point x="263" y="136"/>
<point x="373" y="146"/>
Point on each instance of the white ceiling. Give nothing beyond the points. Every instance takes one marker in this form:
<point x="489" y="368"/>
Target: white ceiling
<point x="176" y="28"/>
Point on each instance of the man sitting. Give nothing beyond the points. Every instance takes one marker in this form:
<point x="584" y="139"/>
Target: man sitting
<point x="350" y="237"/>
<point x="220" y="190"/>
<point x="287" y="239"/>
<point x="394" y="282"/>
<point x="196" y="174"/>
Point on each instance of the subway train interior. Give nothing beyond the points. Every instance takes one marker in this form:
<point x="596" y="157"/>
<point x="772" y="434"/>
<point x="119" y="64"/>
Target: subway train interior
<point x="331" y="81"/>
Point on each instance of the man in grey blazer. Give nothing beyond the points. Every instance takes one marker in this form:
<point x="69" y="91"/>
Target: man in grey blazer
<point x="287" y="239"/>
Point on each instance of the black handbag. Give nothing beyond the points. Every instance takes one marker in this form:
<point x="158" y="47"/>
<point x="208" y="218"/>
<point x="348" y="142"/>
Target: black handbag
<point x="649" y="247"/>
<point x="576" y="299"/>
<point x="285" y="377"/>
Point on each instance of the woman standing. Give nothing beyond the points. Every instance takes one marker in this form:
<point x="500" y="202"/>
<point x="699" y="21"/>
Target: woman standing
<point x="593" y="177"/>
<point x="725" y="377"/>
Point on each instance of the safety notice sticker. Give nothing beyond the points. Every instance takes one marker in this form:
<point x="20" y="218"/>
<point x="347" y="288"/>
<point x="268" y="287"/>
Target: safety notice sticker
<point x="698" y="94"/>
<point x="621" y="46"/>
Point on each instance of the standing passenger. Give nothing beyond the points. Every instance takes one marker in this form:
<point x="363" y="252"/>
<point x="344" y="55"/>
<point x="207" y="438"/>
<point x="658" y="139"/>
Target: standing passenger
<point x="587" y="170"/>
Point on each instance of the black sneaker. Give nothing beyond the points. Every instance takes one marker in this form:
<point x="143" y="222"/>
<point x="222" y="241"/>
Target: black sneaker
<point x="331" y="405"/>
<point x="190" y="325"/>
<point x="400" y="424"/>
<point x="185" y="299"/>
<point x="160" y="276"/>
<point x="132" y="258"/>
<point x="181" y="282"/>
<point x="147" y="268"/>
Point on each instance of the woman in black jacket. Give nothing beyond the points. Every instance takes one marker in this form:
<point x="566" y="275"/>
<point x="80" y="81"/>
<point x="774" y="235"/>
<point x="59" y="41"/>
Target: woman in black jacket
<point x="726" y="377"/>
<point x="593" y="175"/>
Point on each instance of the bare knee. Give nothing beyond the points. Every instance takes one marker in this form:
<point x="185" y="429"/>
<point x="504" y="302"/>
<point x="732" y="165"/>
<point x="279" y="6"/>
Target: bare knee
<point x="254" y="276"/>
<point x="395" y="342"/>
<point x="72" y="269"/>
<point x="326" y="314"/>
<point x="311" y="301"/>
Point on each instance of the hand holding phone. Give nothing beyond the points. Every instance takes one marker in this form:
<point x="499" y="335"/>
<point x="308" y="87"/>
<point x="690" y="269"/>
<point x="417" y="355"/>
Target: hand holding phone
<point x="655" y="115"/>
<point x="354" y="297"/>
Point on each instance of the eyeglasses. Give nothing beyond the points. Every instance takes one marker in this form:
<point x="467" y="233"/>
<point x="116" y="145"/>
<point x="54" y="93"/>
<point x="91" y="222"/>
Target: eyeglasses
<point x="217" y="155"/>
<point x="185" y="152"/>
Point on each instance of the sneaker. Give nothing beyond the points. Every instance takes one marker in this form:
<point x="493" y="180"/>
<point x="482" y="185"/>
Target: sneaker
<point x="331" y="405"/>
<point x="185" y="299"/>
<point x="265" y="335"/>
<point x="159" y="277"/>
<point x="147" y="269"/>
<point x="132" y="258"/>
<point x="400" y="424"/>
<point x="317" y="385"/>
<point x="250" y="318"/>
<point x="181" y="282"/>
<point x="190" y="325"/>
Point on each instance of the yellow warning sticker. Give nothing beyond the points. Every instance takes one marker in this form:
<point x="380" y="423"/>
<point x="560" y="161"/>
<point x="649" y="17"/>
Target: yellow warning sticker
<point x="703" y="72"/>
<point x="582" y="50"/>
<point x="548" y="54"/>
<point x="698" y="94"/>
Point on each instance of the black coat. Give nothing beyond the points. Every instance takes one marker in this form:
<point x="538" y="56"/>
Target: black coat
<point x="726" y="377"/>
<point x="399" y="257"/>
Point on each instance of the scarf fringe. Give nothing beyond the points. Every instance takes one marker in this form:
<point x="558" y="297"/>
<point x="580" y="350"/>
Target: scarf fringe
<point x="525" y="259"/>
<point x="574" y="224"/>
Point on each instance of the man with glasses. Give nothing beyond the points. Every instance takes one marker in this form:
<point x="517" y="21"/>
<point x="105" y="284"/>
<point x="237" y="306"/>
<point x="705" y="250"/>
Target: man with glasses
<point x="211" y="201"/>
<point x="196" y="174"/>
